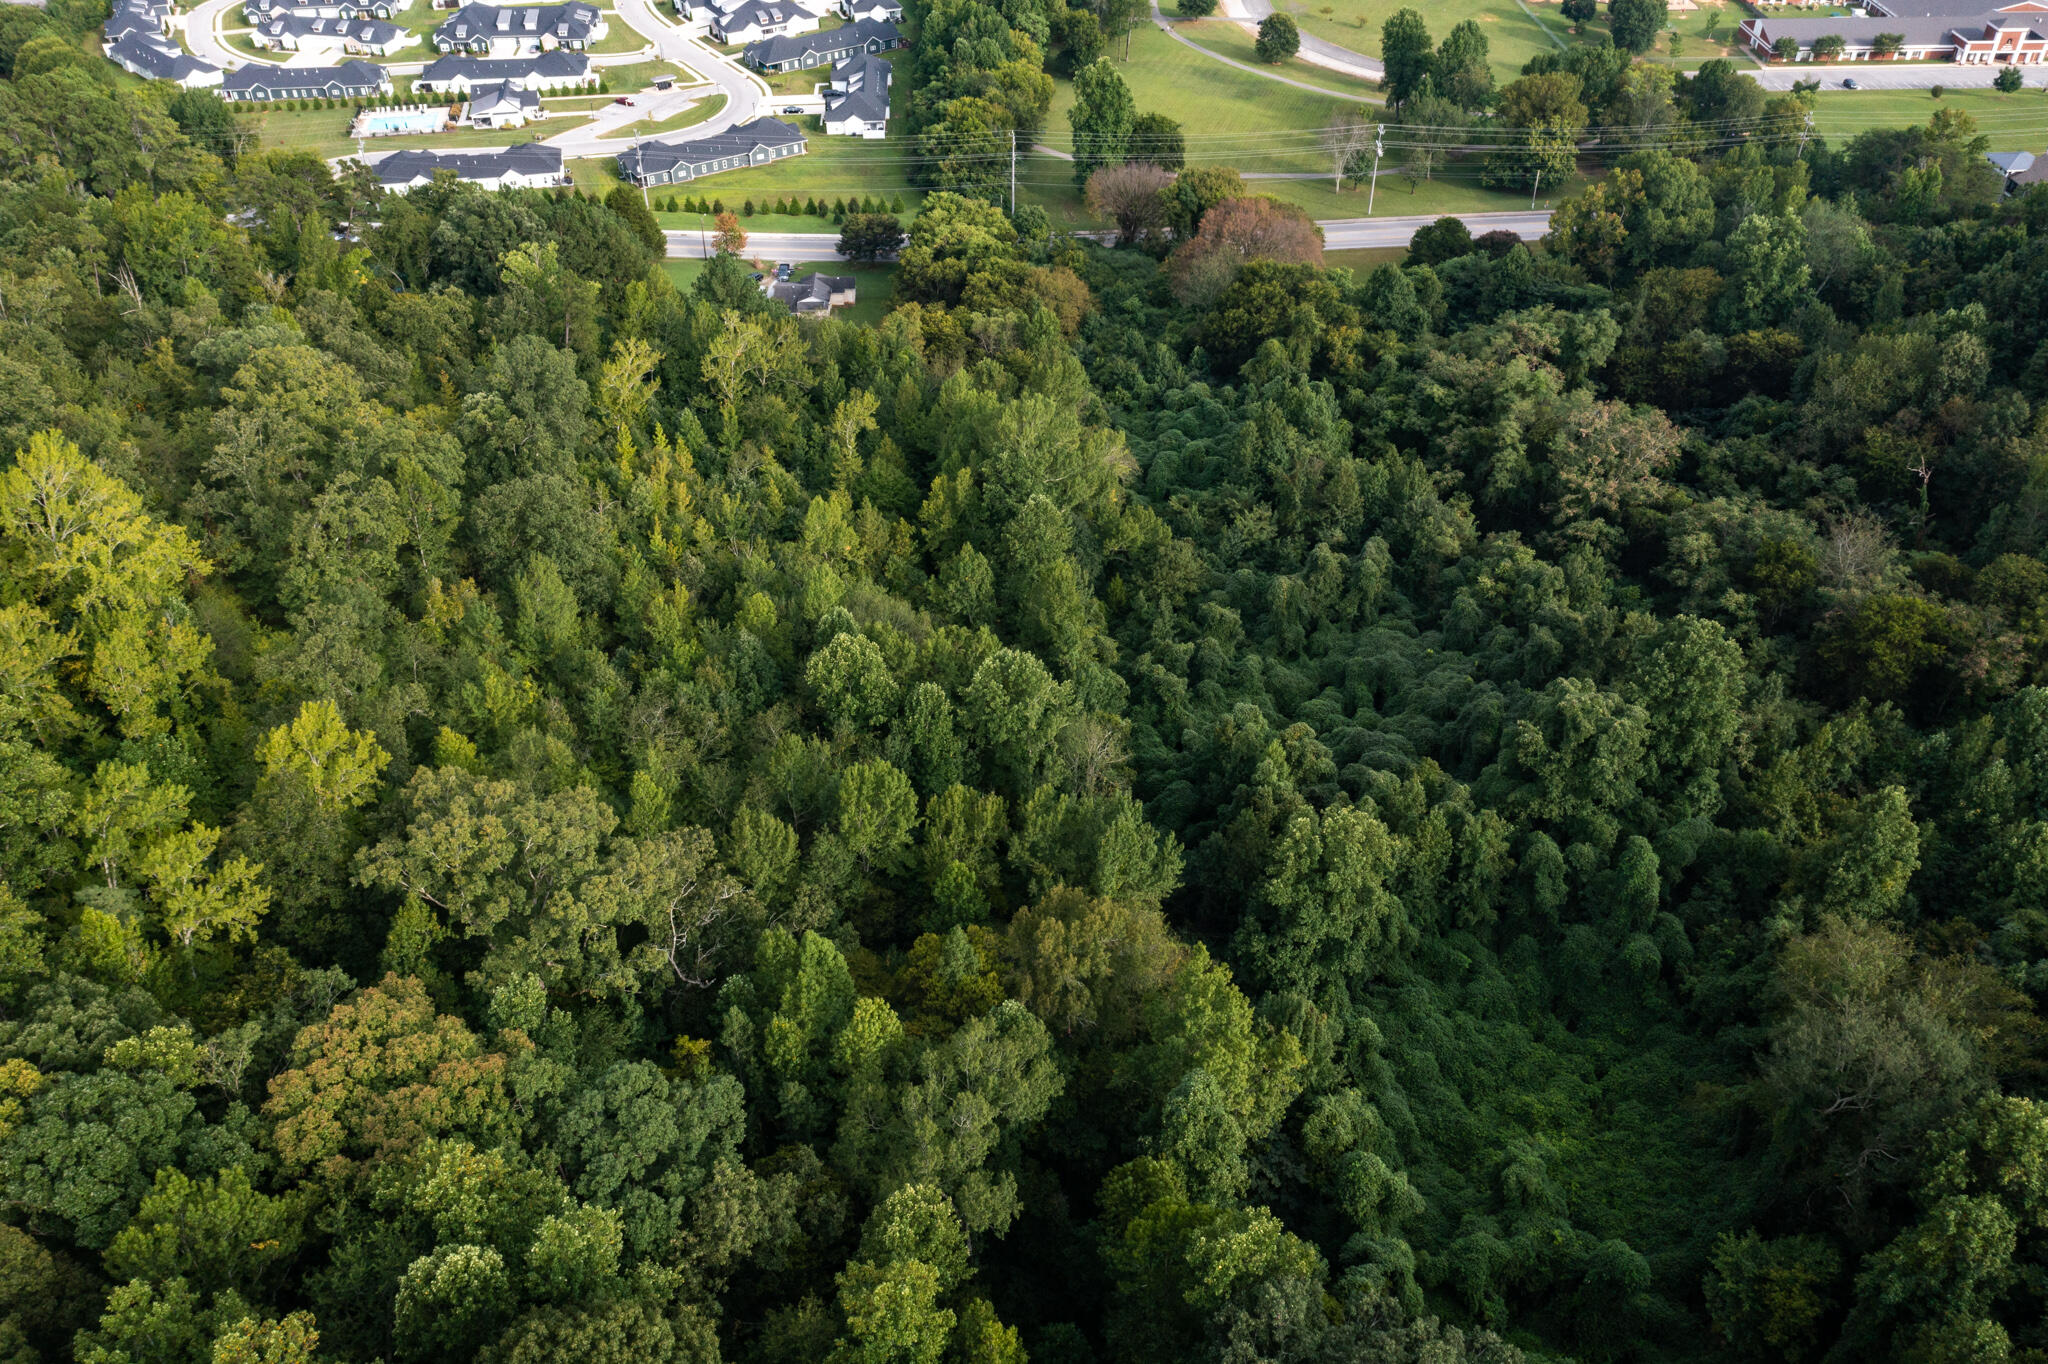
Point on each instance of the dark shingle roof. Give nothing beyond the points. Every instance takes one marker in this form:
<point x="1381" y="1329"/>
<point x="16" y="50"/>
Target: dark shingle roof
<point x="487" y="99"/>
<point x="528" y="158"/>
<point x="157" y="59"/>
<point x="869" y="105"/>
<point x="832" y="42"/>
<point x="361" y="30"/>
<point x="566" y="65"/>
<point x="574" y="21"/>
<point x="658" y="157"/>
<point x="816" y="290"/>
<point x="759" y="13"/>
<point x="350" y="75"/>
<point x="1917" y="32"/>
<point x="1948" y="9"/>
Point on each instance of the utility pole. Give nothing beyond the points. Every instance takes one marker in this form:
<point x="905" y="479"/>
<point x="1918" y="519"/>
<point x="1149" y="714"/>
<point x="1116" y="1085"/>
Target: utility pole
<point x="1372" y="188"/>
<point x="1533" y="188"/>
<point x="1013" y="172"/>
<point x="1806" y="131"/>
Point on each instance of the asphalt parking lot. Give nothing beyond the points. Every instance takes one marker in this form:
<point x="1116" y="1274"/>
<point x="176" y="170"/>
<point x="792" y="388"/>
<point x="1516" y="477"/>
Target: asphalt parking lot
<point x="1884" y="76"/>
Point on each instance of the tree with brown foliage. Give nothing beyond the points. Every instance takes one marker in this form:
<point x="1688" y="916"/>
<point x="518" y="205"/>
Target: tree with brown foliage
<point x="1129" y="196"/>
<point x="1238" y="231"/>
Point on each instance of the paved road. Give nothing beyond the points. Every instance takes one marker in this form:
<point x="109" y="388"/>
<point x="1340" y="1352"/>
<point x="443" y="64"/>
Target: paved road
<point x="1358" y="234"/>
<point x="1885" y="76"/>
<point x="789" y="246"/>
<point x="202" y="33"/>
<point x="1339" y="234"/>
<point x="744" y="91"/>
<point x="1167" y="27"/>
<point x="1315" y="51"/>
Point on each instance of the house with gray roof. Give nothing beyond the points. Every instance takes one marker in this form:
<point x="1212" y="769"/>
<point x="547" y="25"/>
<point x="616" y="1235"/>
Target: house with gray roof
<point x="814" y="295"/>
<point x="757" y="20"/>
<point x="515" y="30"/>
<point x="136" y="16"/>
<point x="829" y="48"/>
<point x="256" y="11"/>
<point x="857" y="99"/>
<point x="556" y="70"/>
<point x="158" y="59"/>
<point x="299" y="33"/>
<point x="2022" y="170"/>
<point x="527" y="166"/>
<point x="502" y="106"/>
<point x="261" y="83"/>
<point x="750" y="144"/>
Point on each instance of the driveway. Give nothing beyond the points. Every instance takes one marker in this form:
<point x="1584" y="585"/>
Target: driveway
<point x="1886" y="76"/>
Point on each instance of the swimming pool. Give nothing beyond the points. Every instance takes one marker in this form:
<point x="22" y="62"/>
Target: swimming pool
<point x="384" y="122"/>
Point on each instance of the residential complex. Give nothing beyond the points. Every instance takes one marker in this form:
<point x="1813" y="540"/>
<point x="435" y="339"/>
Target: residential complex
<point x="528" y="166"/>
<point x="515" y="30"/>
<point x="555" y="70"/>
<point x="750" y="144"/>
<point x="824" y="49"/>
<point x="260" y="82"/>
<point x="1968" y="31"/>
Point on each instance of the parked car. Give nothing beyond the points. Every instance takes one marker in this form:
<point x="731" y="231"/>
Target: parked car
<point x="792" y="108"/>
<point x="1848" y="82"/>
<point x="784" y="270"/>
<point x="625" y="100"/>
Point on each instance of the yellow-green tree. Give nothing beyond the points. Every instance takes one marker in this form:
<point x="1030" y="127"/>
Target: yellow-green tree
<point x="95" y="576"/>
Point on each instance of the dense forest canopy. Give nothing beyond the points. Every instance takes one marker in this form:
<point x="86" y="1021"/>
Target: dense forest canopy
<point x="1493" y="808"/>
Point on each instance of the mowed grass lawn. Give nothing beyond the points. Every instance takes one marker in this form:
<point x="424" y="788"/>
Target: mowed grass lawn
<point x="1363" y="262"/>
<point x="2014" y="122"/>
<point x="833" y="168"/>
<point x="325" y="133"/>
<point x="1228" y="116"/>
<point x="688" y="118"/>
<point x="1693" y="27"/>
<point x="1512" y="37"/>
<point x="1240" y="119"/>
<point x="1455" y="190"/>
<point x="639" y="75"/>
<point x="1223" y="37"/>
